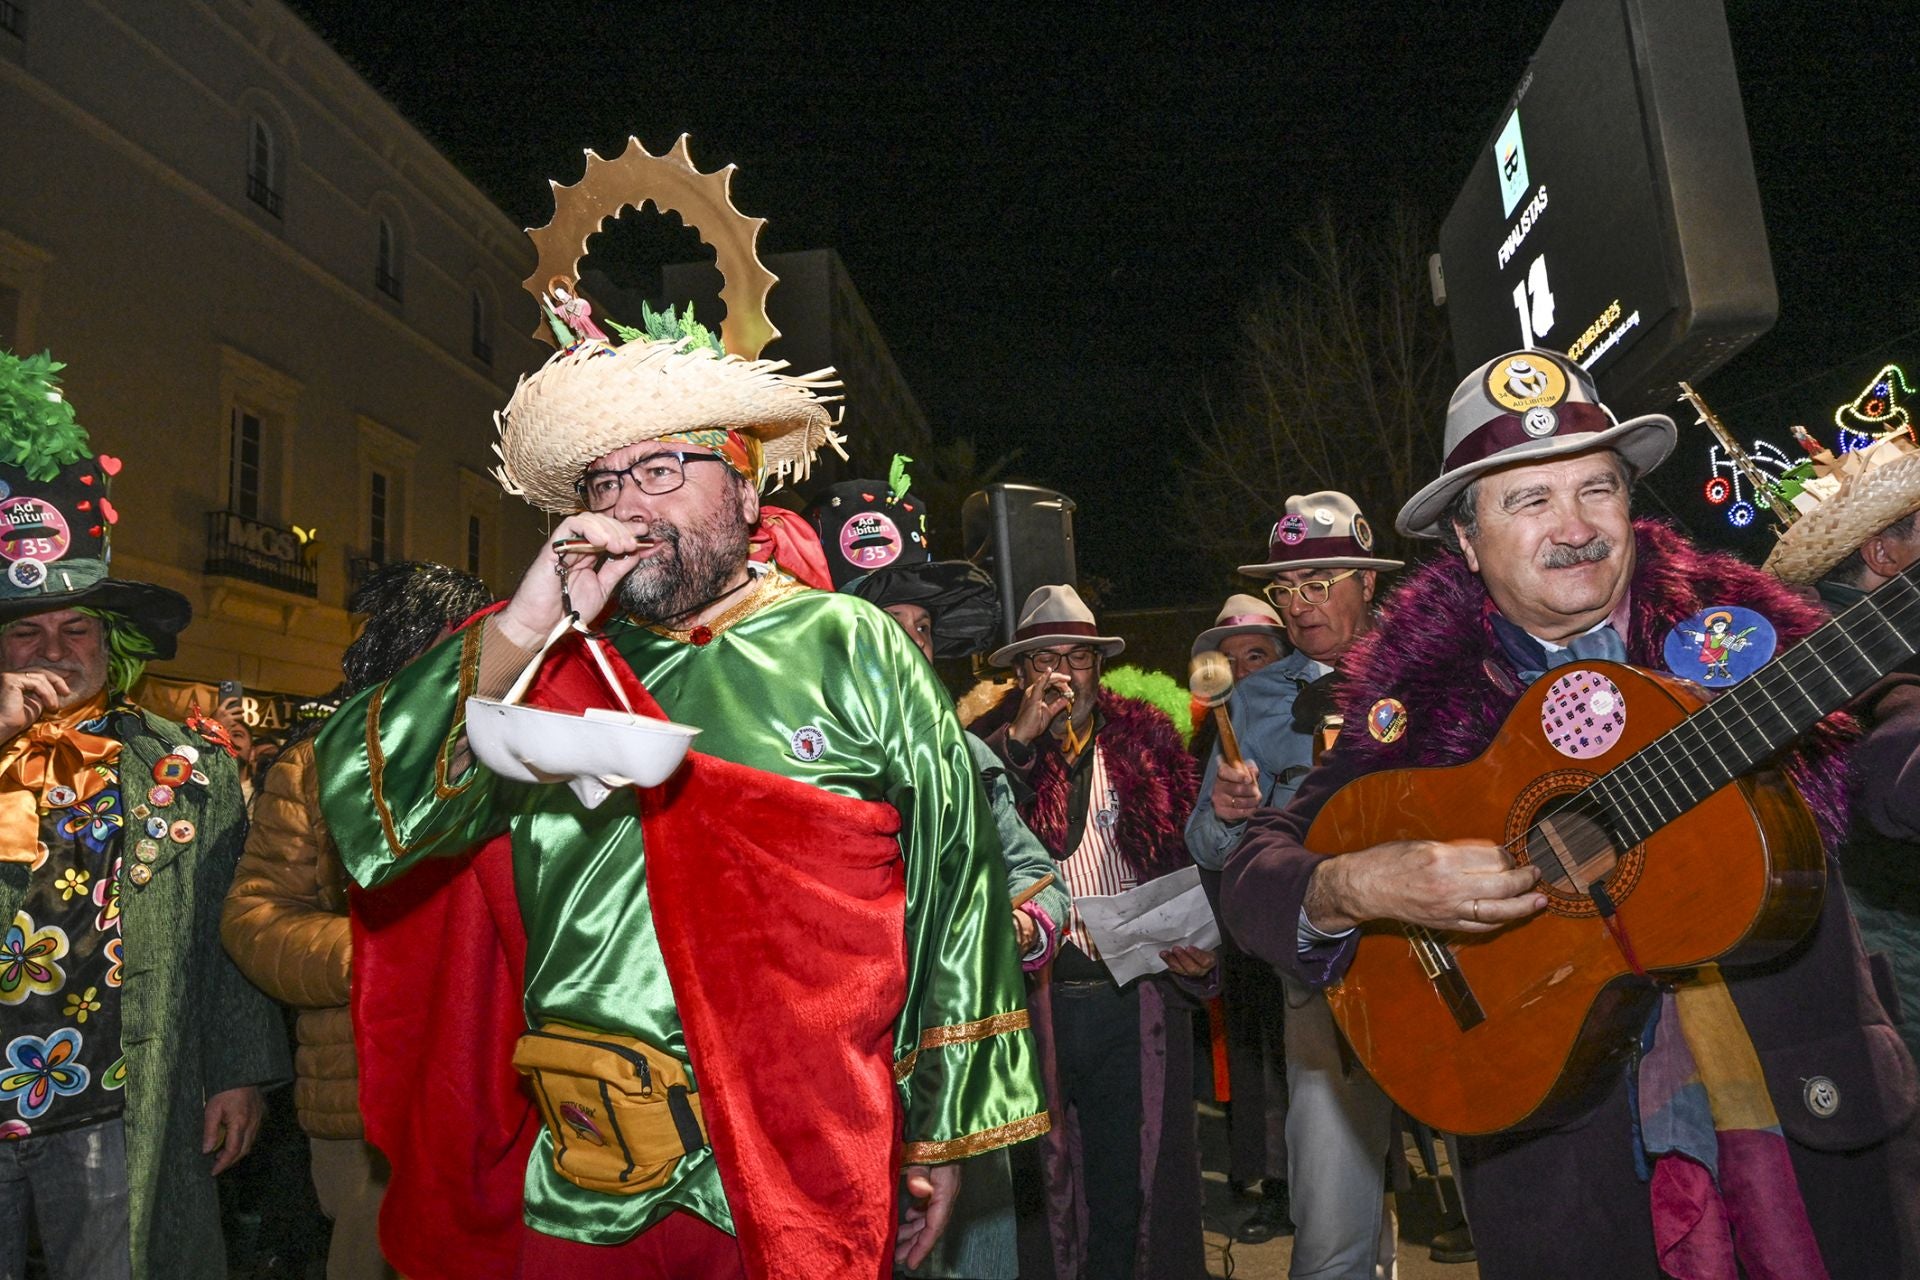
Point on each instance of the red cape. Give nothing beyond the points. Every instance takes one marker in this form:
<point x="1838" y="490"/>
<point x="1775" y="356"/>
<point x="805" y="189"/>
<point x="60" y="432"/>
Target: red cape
<point x="780" y="910"/>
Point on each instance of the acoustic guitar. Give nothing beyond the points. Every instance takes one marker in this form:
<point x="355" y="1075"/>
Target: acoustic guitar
<point x="1664" y="842"/>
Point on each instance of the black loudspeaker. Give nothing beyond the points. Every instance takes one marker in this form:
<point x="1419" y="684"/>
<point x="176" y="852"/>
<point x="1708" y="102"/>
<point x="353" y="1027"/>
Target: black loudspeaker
<point x="1023" y="536"/>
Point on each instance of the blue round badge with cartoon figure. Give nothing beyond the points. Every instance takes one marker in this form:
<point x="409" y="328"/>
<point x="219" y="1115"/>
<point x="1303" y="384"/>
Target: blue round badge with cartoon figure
<point x="1720" y="646"/>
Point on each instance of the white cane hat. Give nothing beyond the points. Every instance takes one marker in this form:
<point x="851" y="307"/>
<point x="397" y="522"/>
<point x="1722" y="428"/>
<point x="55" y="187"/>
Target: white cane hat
<point x="1323" y="530"/>
<point x="1054" y="615"/>
<point x="1528" y="406"/>
<point x="1240" y="616"/>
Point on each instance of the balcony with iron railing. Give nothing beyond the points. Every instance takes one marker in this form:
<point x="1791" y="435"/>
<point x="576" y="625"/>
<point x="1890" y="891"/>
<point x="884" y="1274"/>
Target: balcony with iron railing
<point x="254" y="551"/>
<point x="260" y="191"/>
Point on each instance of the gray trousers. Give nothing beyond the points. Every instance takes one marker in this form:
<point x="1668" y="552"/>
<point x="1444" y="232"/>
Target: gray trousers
<point x="74" y="1184"/>
<point x="1338" y="1128"/>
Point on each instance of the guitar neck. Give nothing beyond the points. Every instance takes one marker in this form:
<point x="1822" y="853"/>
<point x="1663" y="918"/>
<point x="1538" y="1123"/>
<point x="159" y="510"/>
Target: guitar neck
<point x="1753" y="721"/>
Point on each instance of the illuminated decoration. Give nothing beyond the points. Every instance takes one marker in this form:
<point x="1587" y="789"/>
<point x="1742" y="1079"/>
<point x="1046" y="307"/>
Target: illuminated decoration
<point x="1741" y="480"/>
<point x="1877" y="412"/>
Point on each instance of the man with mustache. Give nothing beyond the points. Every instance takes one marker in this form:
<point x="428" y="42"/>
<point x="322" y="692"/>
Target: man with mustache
<point x="1797" y="1154"/>
<point x="808" y="923"/>
<point x="134" y="1052"/>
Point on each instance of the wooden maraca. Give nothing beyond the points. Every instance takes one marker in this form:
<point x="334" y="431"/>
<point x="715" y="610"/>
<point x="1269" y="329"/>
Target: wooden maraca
<point x="1210" y="679"/>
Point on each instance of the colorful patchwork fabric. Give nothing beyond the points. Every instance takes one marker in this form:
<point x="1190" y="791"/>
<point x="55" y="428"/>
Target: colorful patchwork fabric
<point x="1725" y="1199"/>
<point x="62" y="969"/>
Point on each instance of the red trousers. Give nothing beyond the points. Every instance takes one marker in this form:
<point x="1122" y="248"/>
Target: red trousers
<point x="681" y="1246"/>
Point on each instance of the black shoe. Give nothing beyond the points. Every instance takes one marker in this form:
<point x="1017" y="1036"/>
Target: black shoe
<point x="1247" y="1192"/>
<point x="1272" y="1217"/>
<point x="1455" y="1244"/>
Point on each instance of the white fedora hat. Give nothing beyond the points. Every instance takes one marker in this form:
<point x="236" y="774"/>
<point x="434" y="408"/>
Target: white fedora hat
<point x="1528" y="406"/>
<point x="1240" y="616"/>
<point x="1054" y="615"/>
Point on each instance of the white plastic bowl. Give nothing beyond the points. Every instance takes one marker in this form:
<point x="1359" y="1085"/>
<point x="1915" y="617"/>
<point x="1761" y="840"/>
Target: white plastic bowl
<point x="595" y="752"/>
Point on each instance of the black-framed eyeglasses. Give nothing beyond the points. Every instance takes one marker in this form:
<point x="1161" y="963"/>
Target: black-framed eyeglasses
<point x="657" y="473"/>
<point x="1046" y="660"/>
<point x="1313" y="590"/>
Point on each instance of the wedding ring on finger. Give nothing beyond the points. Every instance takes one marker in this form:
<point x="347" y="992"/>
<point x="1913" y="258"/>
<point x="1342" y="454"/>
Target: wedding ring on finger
<point x="1475" y="915"/>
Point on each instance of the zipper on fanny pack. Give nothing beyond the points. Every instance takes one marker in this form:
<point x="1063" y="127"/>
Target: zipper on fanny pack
<point x="638" y="1059"/>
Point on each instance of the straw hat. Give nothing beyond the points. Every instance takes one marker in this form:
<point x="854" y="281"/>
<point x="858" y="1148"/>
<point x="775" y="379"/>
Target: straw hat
<point x="1323" y="530"/>
<point x="1241" y="616"/>
<point x="592" y="398"/>
<point x="1528" y="406"/>
<point x="1867" y="490"/>
<point x="1054" y="615"/>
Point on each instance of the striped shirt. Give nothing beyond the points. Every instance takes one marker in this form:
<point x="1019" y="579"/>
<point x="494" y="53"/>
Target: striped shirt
<point x="1095" y="868"/>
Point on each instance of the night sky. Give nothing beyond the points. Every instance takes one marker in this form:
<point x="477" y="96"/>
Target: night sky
<point x="1057" y="220"/>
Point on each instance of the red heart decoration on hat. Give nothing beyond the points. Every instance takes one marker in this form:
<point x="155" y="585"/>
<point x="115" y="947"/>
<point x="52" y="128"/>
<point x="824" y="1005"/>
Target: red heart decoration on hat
<point x="86" y="479"/>
<point x="106" y="509"/>
<point x="85" y="504"/>
<point x="110" y="464"/>
<point x="94" y="532"/>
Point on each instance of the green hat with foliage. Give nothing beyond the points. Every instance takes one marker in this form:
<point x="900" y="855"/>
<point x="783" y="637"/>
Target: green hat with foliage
<point x="56" y="518"/>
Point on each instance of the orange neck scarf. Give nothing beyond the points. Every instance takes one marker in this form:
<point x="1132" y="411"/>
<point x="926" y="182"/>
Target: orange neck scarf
<point x="48" y="753"/>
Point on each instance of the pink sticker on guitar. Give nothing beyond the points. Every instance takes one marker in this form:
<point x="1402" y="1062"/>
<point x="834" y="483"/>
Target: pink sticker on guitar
<point x="1583" y="714"/>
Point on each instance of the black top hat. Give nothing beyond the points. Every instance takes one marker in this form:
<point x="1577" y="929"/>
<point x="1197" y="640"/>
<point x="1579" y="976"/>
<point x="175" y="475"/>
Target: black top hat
<point x="875" y="536"/>
<point x="56" y="518"/>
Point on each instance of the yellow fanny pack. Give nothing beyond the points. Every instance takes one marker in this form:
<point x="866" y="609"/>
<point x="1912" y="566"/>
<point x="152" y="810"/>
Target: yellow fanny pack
<point x="622" y="1113"/>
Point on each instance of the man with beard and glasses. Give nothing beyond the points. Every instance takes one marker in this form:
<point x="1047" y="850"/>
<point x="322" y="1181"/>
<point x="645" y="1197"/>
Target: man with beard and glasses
<point x="808" y="922"/>
<point x="1761" y="1120"/>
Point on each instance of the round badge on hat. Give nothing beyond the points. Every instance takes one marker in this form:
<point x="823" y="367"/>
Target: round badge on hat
<point x="1523" y="381"/>
<point x="171" y="770"/>
<point x="27" y="573"/>
<point x="1291" y="530"/>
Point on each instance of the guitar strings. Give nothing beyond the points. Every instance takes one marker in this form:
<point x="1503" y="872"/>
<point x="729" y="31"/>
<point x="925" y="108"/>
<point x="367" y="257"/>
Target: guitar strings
<point x="1590" y="837"/>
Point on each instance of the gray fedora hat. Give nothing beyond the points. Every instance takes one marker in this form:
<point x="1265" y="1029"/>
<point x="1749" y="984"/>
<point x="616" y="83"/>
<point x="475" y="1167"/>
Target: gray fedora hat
<point x="1528" y="406"/>
<point x="1323" y="530"/>
<point x="1054" y="615"/>
<point x="1241" y="616"/>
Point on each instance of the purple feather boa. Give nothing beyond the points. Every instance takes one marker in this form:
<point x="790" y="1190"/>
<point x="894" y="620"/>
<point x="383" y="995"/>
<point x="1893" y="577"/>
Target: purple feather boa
<point x="1152" y="775"/>
<point x="1434" y="649"/>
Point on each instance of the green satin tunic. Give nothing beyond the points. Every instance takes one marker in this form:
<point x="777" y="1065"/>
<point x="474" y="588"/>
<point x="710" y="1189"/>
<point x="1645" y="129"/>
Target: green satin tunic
<point x="814" y="686"/>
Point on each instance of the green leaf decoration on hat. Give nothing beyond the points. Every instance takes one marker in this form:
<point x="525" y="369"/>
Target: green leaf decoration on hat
<point x="669" y="326"/>
<point x="38" y="433"/>
<point x="898" y="481"/>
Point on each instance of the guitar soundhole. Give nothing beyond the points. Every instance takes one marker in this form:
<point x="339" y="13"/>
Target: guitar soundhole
<point x="1570" y="843"/>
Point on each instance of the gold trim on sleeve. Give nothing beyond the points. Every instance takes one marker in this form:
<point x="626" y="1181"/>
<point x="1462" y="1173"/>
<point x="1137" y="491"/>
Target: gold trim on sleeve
<point x="377" y="758"/>
<point x="976" y="1143"/>
<point x="961" y="1033"/>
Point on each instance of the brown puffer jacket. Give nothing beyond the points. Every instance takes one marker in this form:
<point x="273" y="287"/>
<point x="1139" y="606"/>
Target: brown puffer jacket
<point x="285" y="924"/>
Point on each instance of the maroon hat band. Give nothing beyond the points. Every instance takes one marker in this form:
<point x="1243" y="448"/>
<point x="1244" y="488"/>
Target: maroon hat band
<point x="1315" y="549"/>
<point x="1573" y="418"/>
<point x="1244" y="620"/>
<point x="1055" y="629"/>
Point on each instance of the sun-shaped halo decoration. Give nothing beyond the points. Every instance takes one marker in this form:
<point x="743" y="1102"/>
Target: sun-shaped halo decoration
<point x="704" y="202"/>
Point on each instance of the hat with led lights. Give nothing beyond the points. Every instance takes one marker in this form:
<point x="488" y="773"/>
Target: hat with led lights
<point x="56" y="518"/>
